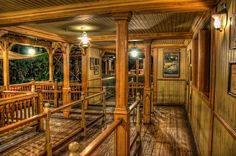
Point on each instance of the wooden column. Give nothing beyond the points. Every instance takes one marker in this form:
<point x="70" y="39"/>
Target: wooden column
<point x="155" y="71"/>
<point x="51" y="72"/>
<point x="85" y="73"/>
<point x="106" y="67"/>
<point x="122" y="134"/>
<point x="203" y="57"/>
<point x="66" y="79"/>
<point x="195" y="62"/>
<point x="147" y="85"/>
<point x="137" y="73"/>
<point x="5" y="47"/>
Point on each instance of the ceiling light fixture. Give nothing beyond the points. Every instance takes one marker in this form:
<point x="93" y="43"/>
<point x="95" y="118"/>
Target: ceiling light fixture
<point x="134" y="51"/>
<point x="84" y="40"/>
<point x="220" y="18"/>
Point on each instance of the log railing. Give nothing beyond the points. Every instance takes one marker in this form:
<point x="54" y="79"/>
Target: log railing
<point x="44" y="117"/>
<point x="18" y="107"/>
<point x="134" y="88"/>
<point x="91" y="148"/>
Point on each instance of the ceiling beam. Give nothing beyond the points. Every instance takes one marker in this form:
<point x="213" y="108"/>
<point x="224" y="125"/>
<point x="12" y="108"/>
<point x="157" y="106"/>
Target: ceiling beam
<point x="145" y="36"/>
<point x="32" y="32"/>
<point x="53" y="13"/>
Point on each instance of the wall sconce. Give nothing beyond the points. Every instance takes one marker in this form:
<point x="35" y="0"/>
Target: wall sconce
<point x="84" y="40"/>
<point x="220" y="21"/>
<point x="220" y="18"/>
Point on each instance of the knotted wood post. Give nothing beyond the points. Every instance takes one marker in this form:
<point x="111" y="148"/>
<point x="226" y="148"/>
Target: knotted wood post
<point x="74" y="149"/>
<point x="40" y="110"/>
<point x="83" y="121"/>
<point x="104" y="103"/>
<point x="55" y="94"/>
<point x="48" y="135"/>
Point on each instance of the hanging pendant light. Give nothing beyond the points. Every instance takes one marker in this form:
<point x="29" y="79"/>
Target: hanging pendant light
<point x="84" y="40"/>
<point x="134" y="51"/>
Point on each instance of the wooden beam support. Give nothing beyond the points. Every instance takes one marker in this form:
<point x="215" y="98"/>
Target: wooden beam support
<point x="66" y="77"/>
<point x="85" y="69"/>
<point x="147" y="84"/>
<point x="5" y="47"/>
<point x="51" y="68"/>
<point x="144" y="36"/>
<point x="195" y="62"/>
<point x="122" y="134"/>
<point x="155" y="71"/>
<point x="101" y="7"/>
<point x="29" y="31"/>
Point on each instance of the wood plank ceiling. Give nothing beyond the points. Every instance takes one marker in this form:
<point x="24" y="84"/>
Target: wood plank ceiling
<point x="151" y="18"/>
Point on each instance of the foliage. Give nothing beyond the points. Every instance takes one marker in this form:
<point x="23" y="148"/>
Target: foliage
<point x="36" y="68"/>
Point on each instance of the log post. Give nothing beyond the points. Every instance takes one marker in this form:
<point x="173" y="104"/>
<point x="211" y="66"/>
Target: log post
<point x="74" y="149"/>
<point x="40" y="110"/>
<point x="147" y="87"/>
<point x="122" y="133"/>
<point x="66" y="83"/>
<point x="55" y="94"/>
<point x="155" y="71"/>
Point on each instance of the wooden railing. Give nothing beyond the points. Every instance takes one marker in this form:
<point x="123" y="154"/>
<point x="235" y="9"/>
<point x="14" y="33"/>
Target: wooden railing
<point x="46" y="115"/>
<point x="134" y="88"/>
<point x="74" y="146"/>
<point x="15" y="107"/>
<point x="51" y="91"/>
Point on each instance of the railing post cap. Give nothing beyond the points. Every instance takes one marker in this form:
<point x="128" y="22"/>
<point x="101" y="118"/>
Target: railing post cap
<point x="73" y="147"/>
<point x="47" y="104"/>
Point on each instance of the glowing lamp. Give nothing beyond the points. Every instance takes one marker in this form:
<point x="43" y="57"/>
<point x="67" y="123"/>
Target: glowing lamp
<point x="31" y="51"/>
<point x="84" y="40"/>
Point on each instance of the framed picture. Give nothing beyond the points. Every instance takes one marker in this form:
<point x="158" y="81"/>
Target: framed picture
<point x="232" y="79"/>
<point x="97" y="61"/>
<point x="232" y="39"/>
<point x="91" y="63"/>
<point x="96" y="70"/>
<point x="171" y="63"/>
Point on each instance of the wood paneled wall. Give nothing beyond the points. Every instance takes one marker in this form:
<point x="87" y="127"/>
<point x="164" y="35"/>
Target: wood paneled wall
<point x="213" y="119"/>
<point x="171" y="90"/>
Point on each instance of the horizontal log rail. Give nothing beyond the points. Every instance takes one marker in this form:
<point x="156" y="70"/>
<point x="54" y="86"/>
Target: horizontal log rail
<point x="101" y="138"/>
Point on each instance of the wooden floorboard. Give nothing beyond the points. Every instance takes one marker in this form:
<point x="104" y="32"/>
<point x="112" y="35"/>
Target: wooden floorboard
<point x="169" y="134"/>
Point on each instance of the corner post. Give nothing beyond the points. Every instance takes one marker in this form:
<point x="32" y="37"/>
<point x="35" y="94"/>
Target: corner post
<point x="122" y="133"/>
<point x="147" y="87"/>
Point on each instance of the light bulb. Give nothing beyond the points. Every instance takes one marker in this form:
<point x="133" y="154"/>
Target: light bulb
<point x="217" y="23"/>
<point x="31" y="51"/>
<point x="134" y="53"/>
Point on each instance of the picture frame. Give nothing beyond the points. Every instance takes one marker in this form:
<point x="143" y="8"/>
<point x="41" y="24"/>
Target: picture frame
<point x="171" y="64"/>
<point x="232" y="32"/>
<point x="97" y="61"/>
<point x="96" y="70"/>
<point x="91" y="63"/>
<point x="232" y="79"/>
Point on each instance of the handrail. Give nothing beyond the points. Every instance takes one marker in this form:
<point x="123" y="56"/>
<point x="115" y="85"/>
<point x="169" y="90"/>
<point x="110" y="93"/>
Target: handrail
<point x="95" y="143"/>
<point x="133" y="105"/>
<point x="21" y="123"/>
<point x="94" y="95"/>
<point x="16" y="98"/>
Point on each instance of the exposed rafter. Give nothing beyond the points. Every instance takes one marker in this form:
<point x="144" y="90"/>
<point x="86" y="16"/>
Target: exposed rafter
<point x="102" y="7"/>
